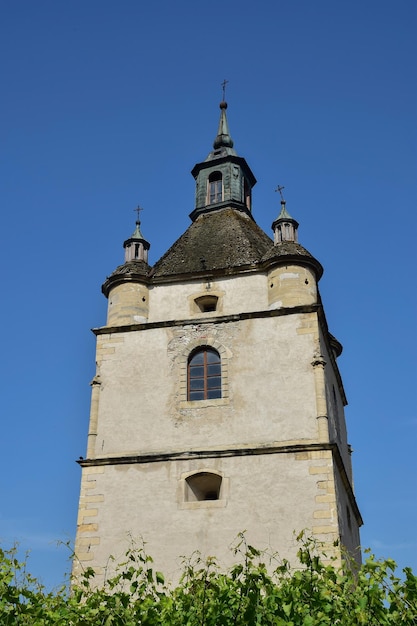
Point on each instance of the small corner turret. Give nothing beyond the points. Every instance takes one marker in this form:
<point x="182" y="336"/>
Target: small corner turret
<point x="136" y="247"/>
<point x="223" y="180"/>
<point x="295" y="272"/>
<point x="127" y="287"/>
<point x="285" y="227"/>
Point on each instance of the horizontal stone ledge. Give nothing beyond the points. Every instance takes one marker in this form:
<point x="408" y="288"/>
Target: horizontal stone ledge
<point x="197" y="454"/>
<point x="235" y="317"/>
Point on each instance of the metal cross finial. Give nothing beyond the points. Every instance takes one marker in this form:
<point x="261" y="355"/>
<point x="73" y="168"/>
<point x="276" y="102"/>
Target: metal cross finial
<point x="138" y="210"/>
<point x="279" y="189"/>
<point x="223" y="84"/>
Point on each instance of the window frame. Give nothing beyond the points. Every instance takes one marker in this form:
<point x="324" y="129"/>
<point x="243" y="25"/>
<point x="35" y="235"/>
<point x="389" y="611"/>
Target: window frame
<point x="191" y="406"/>
<point x="215" y="188"/>
<point x="208" y="392"/>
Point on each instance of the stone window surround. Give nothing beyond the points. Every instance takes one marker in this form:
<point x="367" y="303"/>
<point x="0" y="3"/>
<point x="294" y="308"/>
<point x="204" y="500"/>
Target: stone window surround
<point x="202" y="342"/>
<point x="202" y="504"/>
<point x="196" y="299"/>
<point x="207" y="303"/>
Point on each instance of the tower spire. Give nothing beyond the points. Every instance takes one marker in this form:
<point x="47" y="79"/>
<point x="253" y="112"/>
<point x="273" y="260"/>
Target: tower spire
<point x="223" y="138"/>
<point x="137" y="233"/>
<point x="224" y="179"/>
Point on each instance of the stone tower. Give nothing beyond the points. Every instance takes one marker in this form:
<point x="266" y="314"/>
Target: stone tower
<point x="217" y="405"/>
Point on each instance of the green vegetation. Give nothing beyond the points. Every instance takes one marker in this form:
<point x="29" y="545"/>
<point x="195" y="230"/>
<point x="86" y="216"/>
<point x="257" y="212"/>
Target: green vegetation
<point x="315" y="594"/>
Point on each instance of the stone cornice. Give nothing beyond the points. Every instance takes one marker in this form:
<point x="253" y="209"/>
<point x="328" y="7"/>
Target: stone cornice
<point x="260" y="266"/>
<point x="235" y="317"/>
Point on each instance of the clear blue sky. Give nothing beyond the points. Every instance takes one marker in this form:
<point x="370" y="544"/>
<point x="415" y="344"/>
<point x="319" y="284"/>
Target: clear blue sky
<point x="109" y="104"/>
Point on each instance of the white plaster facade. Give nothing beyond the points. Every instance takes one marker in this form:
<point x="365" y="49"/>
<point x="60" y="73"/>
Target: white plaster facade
<point x="263" y="436"/>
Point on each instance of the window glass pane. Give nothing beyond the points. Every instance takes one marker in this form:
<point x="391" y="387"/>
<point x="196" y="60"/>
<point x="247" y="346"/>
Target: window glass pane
<point x="196" y="395"/>
<point x="196" y="372"/>
<point x="213" y="370"/>
<point x="215" y="191"/>
<point x="197" y="383"/>
<point x="214" y="383"/>
<point x="214" y="393"/>
<point x="198" y="359"/>
<point x="212" y="357"/>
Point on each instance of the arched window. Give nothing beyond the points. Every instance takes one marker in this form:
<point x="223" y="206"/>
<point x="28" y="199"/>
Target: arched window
<point x="215" y="188"/>
<point x="204" y="375"/>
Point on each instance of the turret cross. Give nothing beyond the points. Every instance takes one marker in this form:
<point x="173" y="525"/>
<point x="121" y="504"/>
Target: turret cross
<point x="138" y="210"/>
<point x="279" y="189"/>
<point x="223" y="84"/>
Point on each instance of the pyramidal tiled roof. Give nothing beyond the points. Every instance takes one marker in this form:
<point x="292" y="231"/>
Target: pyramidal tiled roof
<point x="220" y="240"/>
<point x="225" y="241"/>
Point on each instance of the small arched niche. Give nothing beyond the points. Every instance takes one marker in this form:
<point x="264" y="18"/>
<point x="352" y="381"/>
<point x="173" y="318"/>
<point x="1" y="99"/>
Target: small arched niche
<point x="202" y="486"/>
<point x="207" y="304"/>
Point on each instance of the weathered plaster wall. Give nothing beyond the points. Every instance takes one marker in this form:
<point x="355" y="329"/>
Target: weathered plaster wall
<point x="285" y="286"/>
<point x="269" y="392"/>
<point x="270" y="496"/>
<point x="236" y="294"/>
<point x="280" y="388"/>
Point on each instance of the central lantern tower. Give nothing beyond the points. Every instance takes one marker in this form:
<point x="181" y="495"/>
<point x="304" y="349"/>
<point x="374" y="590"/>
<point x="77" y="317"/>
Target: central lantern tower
<point x="217" y="405"/>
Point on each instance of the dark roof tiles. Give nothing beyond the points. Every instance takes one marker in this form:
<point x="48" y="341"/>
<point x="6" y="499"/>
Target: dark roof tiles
<point x="219" y="240"/>
<point x="291" y="250"/>
<point x="134" y="271"/>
